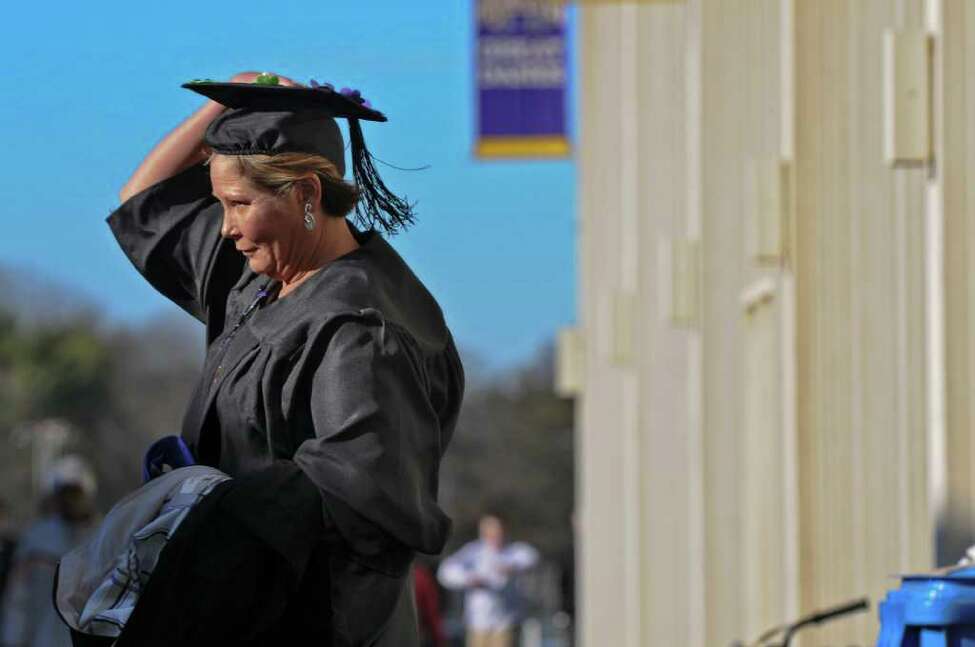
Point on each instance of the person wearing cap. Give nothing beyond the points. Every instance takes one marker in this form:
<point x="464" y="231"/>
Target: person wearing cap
<point x="328" y="363"/>
<point x="27" y="617"/>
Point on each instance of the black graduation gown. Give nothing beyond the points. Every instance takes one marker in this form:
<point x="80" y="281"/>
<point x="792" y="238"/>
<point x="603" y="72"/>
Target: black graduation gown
<point x="353" y="376"/>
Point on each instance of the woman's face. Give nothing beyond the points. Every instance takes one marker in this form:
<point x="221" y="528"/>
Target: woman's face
<point x="266" y="228"/>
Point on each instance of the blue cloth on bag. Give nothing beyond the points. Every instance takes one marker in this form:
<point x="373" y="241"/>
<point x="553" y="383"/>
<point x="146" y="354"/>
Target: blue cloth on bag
<point x="171" y="451"/>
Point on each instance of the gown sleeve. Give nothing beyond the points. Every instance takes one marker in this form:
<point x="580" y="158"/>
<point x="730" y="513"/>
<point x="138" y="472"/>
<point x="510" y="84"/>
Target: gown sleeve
<point x="171" y="233"/>
<point x="378" y="438"/>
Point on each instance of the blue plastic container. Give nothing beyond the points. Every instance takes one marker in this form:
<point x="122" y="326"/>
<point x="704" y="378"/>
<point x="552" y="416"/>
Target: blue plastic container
<point x="930" y="610"/>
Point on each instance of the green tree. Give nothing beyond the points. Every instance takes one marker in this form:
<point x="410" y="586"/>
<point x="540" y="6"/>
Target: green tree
<point x="61" y="370"/>
<point x="117" y="388"/>
<point x="513" y="455"/>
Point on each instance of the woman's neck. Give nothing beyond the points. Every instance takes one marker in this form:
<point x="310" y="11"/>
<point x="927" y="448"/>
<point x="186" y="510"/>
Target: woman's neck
<point x="334" y="240"/>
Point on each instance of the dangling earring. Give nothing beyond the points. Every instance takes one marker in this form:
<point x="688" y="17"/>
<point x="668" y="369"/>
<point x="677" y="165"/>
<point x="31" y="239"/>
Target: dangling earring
<point x="309" y="217"/>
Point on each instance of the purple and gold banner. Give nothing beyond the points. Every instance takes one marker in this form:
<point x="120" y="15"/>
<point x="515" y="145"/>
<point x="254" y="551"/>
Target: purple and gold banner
<point x="521" y="79"/>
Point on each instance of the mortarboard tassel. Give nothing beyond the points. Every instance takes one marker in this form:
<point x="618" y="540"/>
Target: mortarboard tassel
<point x="378" y="205"/>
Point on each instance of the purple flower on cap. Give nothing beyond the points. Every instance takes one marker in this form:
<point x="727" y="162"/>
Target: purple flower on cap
<point x="322" y="86"/>
<point x="355" y="95"/>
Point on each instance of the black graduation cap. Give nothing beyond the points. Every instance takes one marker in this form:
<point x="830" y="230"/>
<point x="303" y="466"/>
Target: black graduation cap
<point x="266" y="118"/>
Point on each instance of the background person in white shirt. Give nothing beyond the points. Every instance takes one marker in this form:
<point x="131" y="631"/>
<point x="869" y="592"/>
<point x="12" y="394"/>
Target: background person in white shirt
<point x="483" y="569"/>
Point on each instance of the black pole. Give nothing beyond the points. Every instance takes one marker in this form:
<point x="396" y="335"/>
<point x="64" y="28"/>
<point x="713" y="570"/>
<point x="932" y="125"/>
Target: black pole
<point x="822" y="616"/>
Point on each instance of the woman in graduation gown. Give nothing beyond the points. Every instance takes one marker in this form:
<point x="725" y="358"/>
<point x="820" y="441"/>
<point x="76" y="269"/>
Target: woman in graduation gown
<point x="331" y="385"/>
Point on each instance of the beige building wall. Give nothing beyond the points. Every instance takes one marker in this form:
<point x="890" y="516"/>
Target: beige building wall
<point x="774" y="415"/>
<point x="861" y="324"/>
<point x="953" y="185"/>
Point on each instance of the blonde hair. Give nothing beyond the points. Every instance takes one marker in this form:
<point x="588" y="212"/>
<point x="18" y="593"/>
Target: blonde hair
<point x="280" y="173"/>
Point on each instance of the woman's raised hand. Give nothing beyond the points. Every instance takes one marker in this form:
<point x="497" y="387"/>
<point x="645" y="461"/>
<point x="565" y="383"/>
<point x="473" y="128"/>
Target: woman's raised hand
<point x="183" y="146"/>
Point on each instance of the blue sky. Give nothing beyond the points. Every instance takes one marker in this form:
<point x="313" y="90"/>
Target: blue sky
<point x="90" y="87"/>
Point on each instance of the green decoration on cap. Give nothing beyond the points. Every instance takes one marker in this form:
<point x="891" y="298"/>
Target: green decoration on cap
<point x="267" y="79"/>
